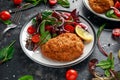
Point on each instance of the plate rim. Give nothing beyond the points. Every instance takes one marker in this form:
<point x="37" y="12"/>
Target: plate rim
<point x="67" y="65"/>
<point x="100" y="15"/>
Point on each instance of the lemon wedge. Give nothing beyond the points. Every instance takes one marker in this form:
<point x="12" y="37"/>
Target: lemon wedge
<point x="83" y="34"/>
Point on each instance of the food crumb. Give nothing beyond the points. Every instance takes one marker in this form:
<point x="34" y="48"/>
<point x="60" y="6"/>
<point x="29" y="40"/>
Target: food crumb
<point x="13" y="75"/>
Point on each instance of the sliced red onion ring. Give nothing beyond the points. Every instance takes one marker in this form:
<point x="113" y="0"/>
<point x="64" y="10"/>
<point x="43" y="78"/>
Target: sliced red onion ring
<point x="84" y="26"/>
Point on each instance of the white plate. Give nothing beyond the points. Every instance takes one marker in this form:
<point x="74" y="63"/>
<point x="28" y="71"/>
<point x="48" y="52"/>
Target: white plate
<point x="86" y="3"/>
<point x="39" y="58"/>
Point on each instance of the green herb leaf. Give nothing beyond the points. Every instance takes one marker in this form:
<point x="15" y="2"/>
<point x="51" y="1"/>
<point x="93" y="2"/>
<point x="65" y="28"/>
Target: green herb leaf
<point x="46" y="13"/>
<point x="107" y="64"/>
<point x="7" y="53"/>
<point x="45" y="37"/>
<point x="26" y="77"/>
<point x="7" y="22"/>
<point x="42" y="27"/>
<point x="100" y="30"/>
<point x="110" y="14"/>
<point x="104" y="64"/>
<point x="107" y="73"/>
<point x="34" y="21"/>
<point x="64" y="3"/>
<point x="34" y="2"/>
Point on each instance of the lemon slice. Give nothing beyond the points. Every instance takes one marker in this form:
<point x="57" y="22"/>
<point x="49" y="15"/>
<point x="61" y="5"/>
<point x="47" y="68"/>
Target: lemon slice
<point x="86" y="36"/>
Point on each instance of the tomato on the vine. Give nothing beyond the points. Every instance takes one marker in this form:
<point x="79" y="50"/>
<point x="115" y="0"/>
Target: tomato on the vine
<point x="52" y="2"/>
<point x="5" y="15"/>
<point x="17" y="2"/>
<point x="71" y="74"/>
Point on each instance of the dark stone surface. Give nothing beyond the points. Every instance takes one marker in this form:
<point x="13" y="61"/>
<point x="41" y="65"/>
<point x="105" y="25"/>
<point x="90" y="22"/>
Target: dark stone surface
<point x="21" y="65"/>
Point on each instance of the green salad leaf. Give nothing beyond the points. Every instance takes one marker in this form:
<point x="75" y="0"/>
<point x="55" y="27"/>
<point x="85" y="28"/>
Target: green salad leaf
<point x="26" y="77"/>
<point x="110" y="14"/>
<point x="45" y="37"/>
<point x="6" y="53"/>
<point x="64" y="3"/>
<point x="100" y="30"/>
<point x="46" y="13"/>
<point x="34" y="2"/>
<point x="42" y="27"/>
<point x="7" y="22"/>
<point x="107" y="64"/>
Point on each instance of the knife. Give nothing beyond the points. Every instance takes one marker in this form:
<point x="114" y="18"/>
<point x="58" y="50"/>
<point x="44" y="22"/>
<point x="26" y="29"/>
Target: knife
<point x="22" y="8"/>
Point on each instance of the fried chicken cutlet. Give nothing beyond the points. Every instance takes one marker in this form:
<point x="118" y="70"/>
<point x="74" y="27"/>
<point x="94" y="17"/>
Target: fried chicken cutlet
<point x="101" y="6"/>
<point x="65" y="47"/>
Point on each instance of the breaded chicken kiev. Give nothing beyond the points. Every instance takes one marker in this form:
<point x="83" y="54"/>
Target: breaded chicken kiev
<point x="65" y="47"/>
<point x="101" y="6"/>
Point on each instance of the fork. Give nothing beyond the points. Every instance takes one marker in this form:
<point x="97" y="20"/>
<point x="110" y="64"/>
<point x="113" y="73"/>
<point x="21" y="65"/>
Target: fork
<point x="15" y="22"/>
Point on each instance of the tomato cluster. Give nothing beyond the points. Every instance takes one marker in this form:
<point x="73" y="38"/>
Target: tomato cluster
<point x="32" y="31"/>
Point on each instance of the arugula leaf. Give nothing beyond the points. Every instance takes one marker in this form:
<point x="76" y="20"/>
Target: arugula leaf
<point x="46" y="13"/>
<point x="26" y="77"/>
<point x="7" y="22"/>
<point x="6" y="53"/>
<point x="64" y="3"/>
<point x="100" y="30"/>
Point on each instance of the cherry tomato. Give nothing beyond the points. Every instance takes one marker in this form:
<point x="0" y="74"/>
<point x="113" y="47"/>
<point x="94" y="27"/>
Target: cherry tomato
<point x="31" y="30"/>
<point x="71" y="74"/>
<point x="117" y="5"/>
<point x="52" y="2"/>
<point x="116" y="32"/>
<point x="36" y="38"/>
<point x="5" y="15"/>
<point x="17" y="2"/>
<point x="117" y="12"/>
<point x="69" y="28"/>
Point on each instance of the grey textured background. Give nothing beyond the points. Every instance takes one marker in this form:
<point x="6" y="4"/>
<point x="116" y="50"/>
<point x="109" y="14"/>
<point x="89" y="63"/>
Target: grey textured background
<point x="21" y="65"/>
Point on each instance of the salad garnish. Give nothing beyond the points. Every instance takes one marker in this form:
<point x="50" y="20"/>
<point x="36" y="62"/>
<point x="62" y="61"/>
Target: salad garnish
<point x="6" y="53"/>
<point x="108" y="67"/>
<point x="50" y="24"/>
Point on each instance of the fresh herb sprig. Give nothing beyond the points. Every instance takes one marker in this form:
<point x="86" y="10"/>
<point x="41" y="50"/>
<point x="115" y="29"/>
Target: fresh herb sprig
<point x="107" y="65"/>
<point x="6" y="53"/>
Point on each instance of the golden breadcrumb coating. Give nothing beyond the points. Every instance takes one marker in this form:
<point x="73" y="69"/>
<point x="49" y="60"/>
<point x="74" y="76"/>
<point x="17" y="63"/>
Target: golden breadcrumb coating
<point x="65" y="47"/>
<point x="101" y="6"/>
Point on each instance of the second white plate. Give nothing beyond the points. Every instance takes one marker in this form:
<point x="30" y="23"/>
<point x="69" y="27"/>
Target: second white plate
<point x="86" y="3"/>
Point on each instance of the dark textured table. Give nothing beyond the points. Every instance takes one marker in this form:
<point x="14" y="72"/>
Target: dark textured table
<point x="21" y="65"/>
